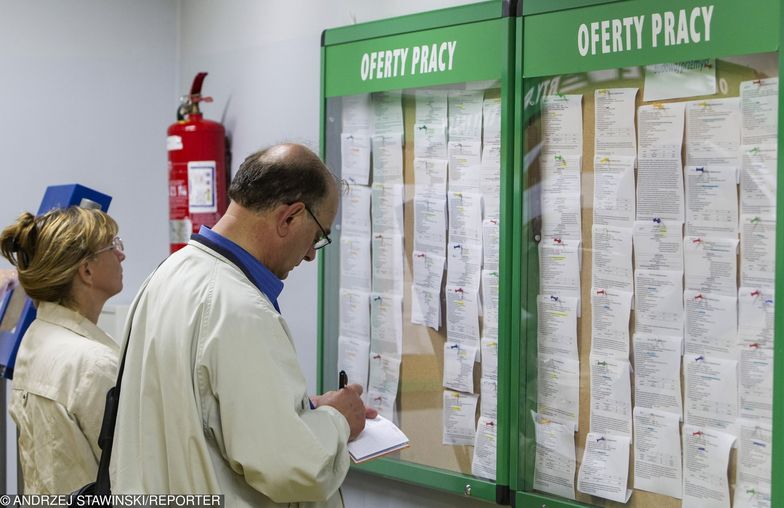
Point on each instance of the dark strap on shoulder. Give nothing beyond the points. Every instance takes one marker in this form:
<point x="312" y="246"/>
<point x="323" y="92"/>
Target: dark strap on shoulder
<point x="103" y="484"/>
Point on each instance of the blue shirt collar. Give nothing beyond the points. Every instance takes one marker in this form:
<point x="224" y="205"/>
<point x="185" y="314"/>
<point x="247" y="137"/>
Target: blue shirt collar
<point x="267" y="282"/>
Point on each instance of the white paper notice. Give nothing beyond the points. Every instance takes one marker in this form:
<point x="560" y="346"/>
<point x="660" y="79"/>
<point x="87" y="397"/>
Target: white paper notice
<point x="680" y="79"/>
<point x="557" y="325"/>
<point x="558" y="389"/>
<point x="711" y="201"/>
<point x="387" y="110"/>
<point x="387" y="264"/>
<point x="431" y="107"/>
<point x="660" y="133"/>
<point x="488" y="401"/>
<point x="383" y="381"/>
<point x="555" y="457"/>
<point x="611" y="310"/>
<point x="426" y="307"/>
<point x="757" y="251"/>
<point x="387" y="158"/>
<point x="491" y="120"/>
<point x="353" y="355"/>
<point x="755" y="316"/>
<point x="756" y="383"/>
<point x="465" y="115"/>
<point x="430" y="140"/>
<point x="658" y="245"/>
<point x="430" y="177"/>
<point x="711" y="392"/>
<point x="484" y="461"/>
<point x="459" y="367"/>
<point x="355" y="314"/>
<point x="660" y="189"/>
<point x="562" y="123"/>
<point x="428" y="270"/>
<point x="605" y="467"/>
<point x="490" y="179"/>
<point x="711" y="324"/>
<point x="611" y="396"/>
<point x="657" y="452"/>
<point x="613" y="191"/>
<point x="430" y="225"/>
<point x="465" y="217"/>
<point x="611" y="258"/>
<point x="713" y="132"/>
<point x="355" y="158"/>
<point x="386" y="324"/>
<point x="753" y="473"/>
<point x="706" y="457"/>
<point x="490" y="303"/>
<point x="356" y="114"/>
<point x="658" y="297"/>
<point x="489" y="357"/>
<point x="464" y="265"/>
<point x="491" y="243"/>
<point x="355" y="263"/>
<point x="462" y="316"/>
<point x="759" y="111"/>
<point x="561" y="213"/>
<point x="657" y="372"/>
<point x="711" y="264"/>
<point x="459" y="418"/>
<point x="465" y="172"/>
<point x="614" y="126"/>
<point x="387" y="209"/>
<point x="355" y="216"/>
<point x="559" y="267"/>
<point x="758" y="181"/>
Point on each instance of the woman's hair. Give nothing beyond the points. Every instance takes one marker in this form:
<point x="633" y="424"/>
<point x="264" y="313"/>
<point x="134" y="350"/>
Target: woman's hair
<point x="47" y="250"/>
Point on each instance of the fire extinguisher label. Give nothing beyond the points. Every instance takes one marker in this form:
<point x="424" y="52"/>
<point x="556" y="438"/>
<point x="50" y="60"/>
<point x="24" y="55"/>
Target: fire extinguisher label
<point x="173" y="143"/>
<point x="180" y="230"/>
<point x="202" y="196"/>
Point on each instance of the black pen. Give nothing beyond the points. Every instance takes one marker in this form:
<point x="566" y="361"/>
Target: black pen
<point x="342" y="379"/>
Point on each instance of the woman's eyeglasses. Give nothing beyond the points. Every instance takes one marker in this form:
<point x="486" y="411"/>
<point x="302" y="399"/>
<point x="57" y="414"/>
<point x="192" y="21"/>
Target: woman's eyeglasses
<point x="117" y="244"/>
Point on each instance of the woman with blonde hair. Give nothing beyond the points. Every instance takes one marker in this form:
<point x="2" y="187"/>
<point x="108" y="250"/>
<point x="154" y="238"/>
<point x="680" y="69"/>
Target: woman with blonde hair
<point x="68" y="263"/>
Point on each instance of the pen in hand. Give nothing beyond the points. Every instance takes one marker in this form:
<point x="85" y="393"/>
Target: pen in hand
<point x="342" y="379"/>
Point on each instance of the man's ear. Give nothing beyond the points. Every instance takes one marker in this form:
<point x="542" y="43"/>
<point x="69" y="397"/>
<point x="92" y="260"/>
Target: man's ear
<point x="285" y="216"/>
<point x="85" y="272"/>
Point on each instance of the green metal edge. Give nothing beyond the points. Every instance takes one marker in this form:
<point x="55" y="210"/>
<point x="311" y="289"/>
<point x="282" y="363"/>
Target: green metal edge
<point x="517" y="366"/>
<point x="507" y="260"/>
<point x="490" y="9"/>
<point x="320" y="277"/>
<point x="426" y="476"/>
<point x="543" y="6"/>
<point x="777" y="461"/>
<point x="530" y="499"/>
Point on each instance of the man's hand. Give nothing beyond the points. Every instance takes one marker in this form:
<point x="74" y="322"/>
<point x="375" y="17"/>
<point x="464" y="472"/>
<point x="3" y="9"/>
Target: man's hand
<point x="350" y="405"/>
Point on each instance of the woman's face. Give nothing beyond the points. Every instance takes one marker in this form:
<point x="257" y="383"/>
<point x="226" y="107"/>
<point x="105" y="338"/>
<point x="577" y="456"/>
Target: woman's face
<point x="107" y="271"/>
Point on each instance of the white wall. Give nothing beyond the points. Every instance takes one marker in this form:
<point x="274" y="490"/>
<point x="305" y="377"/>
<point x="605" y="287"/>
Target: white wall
<point x="86" y="94"/>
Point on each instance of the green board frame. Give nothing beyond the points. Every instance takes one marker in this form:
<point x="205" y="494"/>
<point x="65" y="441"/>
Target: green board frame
<point x="547" y="44"/>
<point x="485" y="34"/>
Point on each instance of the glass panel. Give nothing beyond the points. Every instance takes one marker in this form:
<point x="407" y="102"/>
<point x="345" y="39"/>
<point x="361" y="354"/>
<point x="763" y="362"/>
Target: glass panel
<point x="650" y="230"/>
<point x="411" y="300"/>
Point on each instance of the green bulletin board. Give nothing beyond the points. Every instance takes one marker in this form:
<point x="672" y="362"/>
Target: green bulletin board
<point x="384" y="84"/>
<point x="582" y="51"/>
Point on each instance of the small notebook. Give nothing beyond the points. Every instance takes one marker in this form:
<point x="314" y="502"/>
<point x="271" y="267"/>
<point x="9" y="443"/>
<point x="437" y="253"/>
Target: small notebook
<point x="379" y="437"/>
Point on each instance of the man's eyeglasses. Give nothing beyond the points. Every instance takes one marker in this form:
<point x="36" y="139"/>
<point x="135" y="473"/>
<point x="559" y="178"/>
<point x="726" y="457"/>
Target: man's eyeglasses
<point x="117" y="244"/>
<point x="325" y="239"/>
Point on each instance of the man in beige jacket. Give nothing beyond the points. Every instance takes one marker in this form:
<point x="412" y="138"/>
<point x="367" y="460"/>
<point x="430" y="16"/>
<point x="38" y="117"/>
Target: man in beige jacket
<point x="213" y="400"/>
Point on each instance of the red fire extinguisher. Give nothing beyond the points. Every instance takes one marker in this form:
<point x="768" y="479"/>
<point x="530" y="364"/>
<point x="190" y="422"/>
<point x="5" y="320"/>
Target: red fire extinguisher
<point x="198" y="174"/>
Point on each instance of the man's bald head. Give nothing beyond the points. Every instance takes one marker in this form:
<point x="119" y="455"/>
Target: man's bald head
<point x="281" y="174"/>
